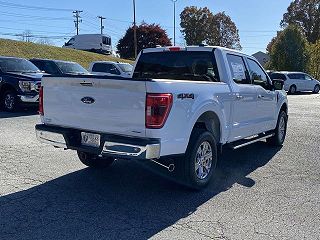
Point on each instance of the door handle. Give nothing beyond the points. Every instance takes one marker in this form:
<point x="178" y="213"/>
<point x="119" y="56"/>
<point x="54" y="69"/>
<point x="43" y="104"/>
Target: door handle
<point x="86" y="84"/>
<point x="260" y="96"/>
<point x="239" y="97"/>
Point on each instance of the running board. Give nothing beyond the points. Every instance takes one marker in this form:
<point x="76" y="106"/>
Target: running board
<point x="245" y="142"/>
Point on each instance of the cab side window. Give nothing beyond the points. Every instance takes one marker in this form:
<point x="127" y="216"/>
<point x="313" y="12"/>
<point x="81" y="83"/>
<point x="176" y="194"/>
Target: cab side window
<point x="238" y="69"/>
<point x="258" y="76"/>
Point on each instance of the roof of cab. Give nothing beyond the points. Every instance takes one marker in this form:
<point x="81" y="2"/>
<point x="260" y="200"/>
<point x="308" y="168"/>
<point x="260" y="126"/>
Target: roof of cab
<point x="194" y="48"/>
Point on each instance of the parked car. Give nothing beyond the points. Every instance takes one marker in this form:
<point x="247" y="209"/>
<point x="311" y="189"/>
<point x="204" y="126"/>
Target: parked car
<point x="111" y="68"/>
<point x="58" y="67"/>
<point x="177" y="111"/>
<point x="20" y="82"/>
<point x="90" y="42"/>
<point x="297" y="81"/>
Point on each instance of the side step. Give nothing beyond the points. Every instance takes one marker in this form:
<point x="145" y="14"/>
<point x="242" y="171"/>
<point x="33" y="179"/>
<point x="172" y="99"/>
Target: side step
<point x="246" y="142"/>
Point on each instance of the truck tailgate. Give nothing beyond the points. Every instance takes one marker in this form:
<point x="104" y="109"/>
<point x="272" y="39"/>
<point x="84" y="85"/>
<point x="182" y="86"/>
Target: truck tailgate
<point x="95" y="104"/>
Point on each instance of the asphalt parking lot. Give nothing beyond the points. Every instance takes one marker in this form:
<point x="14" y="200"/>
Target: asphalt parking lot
<point x="258" y="192"/>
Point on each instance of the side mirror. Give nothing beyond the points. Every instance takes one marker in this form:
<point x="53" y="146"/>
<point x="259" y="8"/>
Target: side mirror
<point x="277" y="84"/>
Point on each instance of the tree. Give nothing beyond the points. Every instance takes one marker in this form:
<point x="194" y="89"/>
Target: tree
<point x="314" y="59"/>
<point x="305" y="14"/>
<point x="201" y="25"/>
<point x="148" y="36"/>
<point x="289" y="50"/>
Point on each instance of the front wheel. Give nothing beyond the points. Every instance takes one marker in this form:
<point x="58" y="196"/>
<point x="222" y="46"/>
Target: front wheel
<point x="94" y="161"/>
<point x="292" y="89"/>
<point x="200" y="159"/>
<point x="316" y="89"/>
<point x="280" y="131"/>
<point x="10" y="101"/>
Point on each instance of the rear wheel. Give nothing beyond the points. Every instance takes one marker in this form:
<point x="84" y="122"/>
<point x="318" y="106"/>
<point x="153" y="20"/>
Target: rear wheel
<point x="293" y="89"/>
<point x="316" y="89"/>
<point x="200" y="159"/>
<point x="9" y="101"/>
<point x="94" y="161"/>
<point x="280" y="131"/>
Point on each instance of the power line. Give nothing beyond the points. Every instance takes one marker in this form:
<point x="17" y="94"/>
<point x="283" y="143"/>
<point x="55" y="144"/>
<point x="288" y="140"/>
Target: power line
<point x="32" y="16"/>
<point x="22" y="6"/>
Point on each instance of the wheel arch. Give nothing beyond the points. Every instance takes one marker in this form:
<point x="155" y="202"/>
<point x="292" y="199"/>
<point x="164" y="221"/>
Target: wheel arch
<point x="210" y="121"/>
<point x="5" y="87"/>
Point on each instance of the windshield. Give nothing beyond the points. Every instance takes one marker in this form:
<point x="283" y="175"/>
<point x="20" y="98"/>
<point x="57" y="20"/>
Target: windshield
<point x="181" y="65"/>
<point x="126" y="67"/>
<point x="71" y="68"/>
<point x="17" y="65"/>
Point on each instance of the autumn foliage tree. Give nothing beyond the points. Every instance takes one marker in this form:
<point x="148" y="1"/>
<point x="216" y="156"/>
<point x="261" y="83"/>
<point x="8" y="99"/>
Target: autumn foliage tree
<point x="201" y="25"/>
<point x="305" y="14"/>
<point x="148" y="36"/>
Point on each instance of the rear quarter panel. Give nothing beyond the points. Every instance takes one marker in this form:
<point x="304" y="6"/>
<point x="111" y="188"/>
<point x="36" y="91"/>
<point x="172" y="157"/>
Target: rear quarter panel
<point x="208" y="96"/>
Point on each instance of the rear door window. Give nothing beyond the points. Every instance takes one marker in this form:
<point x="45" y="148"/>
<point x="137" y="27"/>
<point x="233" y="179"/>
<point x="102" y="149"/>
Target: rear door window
<point x="296" y="76"/>
<point x="178" y="65"/>
<point x="238" y="69"/>
<point x="278" y="76"/>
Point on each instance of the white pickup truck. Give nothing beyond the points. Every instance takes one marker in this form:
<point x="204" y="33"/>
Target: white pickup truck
<point x="180" y="103"/>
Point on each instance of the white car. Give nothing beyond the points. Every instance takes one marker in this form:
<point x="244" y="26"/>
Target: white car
<point x="109" y="68"/>
<point x="297" y="81"/>
<point x="178" y="109"/>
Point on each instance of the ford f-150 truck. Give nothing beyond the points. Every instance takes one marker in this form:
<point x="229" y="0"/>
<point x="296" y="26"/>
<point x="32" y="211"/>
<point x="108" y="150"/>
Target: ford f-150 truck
<point x="20" y="82"/>
<point x="180" y="103"/>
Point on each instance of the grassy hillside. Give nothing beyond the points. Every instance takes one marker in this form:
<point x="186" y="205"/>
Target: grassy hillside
<point x="33" y="50"/>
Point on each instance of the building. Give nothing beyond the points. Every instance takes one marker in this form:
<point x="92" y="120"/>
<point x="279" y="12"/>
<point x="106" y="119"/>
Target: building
<point x="262" y="57"/>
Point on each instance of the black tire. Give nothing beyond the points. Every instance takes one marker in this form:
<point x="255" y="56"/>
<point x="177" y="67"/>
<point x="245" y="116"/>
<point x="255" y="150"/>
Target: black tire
<point x="191" y="174"/>
<point x="94" y="161"/>
<point x="292" y="89"/>
<point x="280" y="133"/>
<point x="9" y="101"/>
<point x="316" y="89"/>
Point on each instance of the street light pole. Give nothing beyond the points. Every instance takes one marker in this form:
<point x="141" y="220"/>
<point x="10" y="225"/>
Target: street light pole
<point x="174" y="21"/>
<point x="135" y="30"/>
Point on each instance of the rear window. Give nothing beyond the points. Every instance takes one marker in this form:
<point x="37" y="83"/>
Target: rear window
<point x="181" y="65"/>
<point x="71" y="68"/>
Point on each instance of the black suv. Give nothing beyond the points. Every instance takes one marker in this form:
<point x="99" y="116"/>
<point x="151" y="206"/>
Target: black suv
<point x="57" y="67"/>
<point x="20" y="81"/>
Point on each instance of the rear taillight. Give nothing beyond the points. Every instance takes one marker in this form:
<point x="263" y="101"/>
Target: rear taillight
<point x="41" y="111"/>
<point x="158" y="106"/>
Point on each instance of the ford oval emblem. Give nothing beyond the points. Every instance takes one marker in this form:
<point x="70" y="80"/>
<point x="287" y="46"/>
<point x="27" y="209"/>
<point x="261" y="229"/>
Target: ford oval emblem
<point x="87" y="100"/>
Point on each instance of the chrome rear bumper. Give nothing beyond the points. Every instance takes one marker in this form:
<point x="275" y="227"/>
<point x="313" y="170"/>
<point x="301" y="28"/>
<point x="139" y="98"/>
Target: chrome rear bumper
<point x="111" y="145"/>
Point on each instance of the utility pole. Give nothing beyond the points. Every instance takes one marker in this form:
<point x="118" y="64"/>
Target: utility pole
<point x="174" y="22"/>
<point x="78" y="19"/>
<point x="135" y="30"/>
<point x="101" y="24"/>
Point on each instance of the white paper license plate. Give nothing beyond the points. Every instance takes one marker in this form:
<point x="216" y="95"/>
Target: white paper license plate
<point x="90" y="139"/>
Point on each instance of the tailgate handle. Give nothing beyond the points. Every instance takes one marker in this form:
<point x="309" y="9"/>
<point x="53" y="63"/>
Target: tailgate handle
<point x="87" y="84"/>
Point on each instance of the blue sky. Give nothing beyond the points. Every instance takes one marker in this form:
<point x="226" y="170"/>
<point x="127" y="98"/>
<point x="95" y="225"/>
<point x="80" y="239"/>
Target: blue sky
<point x="257" y="20"/>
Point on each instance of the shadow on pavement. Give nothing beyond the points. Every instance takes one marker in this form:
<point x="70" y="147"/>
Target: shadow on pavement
<point x="20" y="113"/>
<point x="124" y="202"/>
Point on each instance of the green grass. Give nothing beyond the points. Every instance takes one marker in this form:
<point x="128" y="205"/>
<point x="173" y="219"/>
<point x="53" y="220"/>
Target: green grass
<point x="33" y="50"/>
